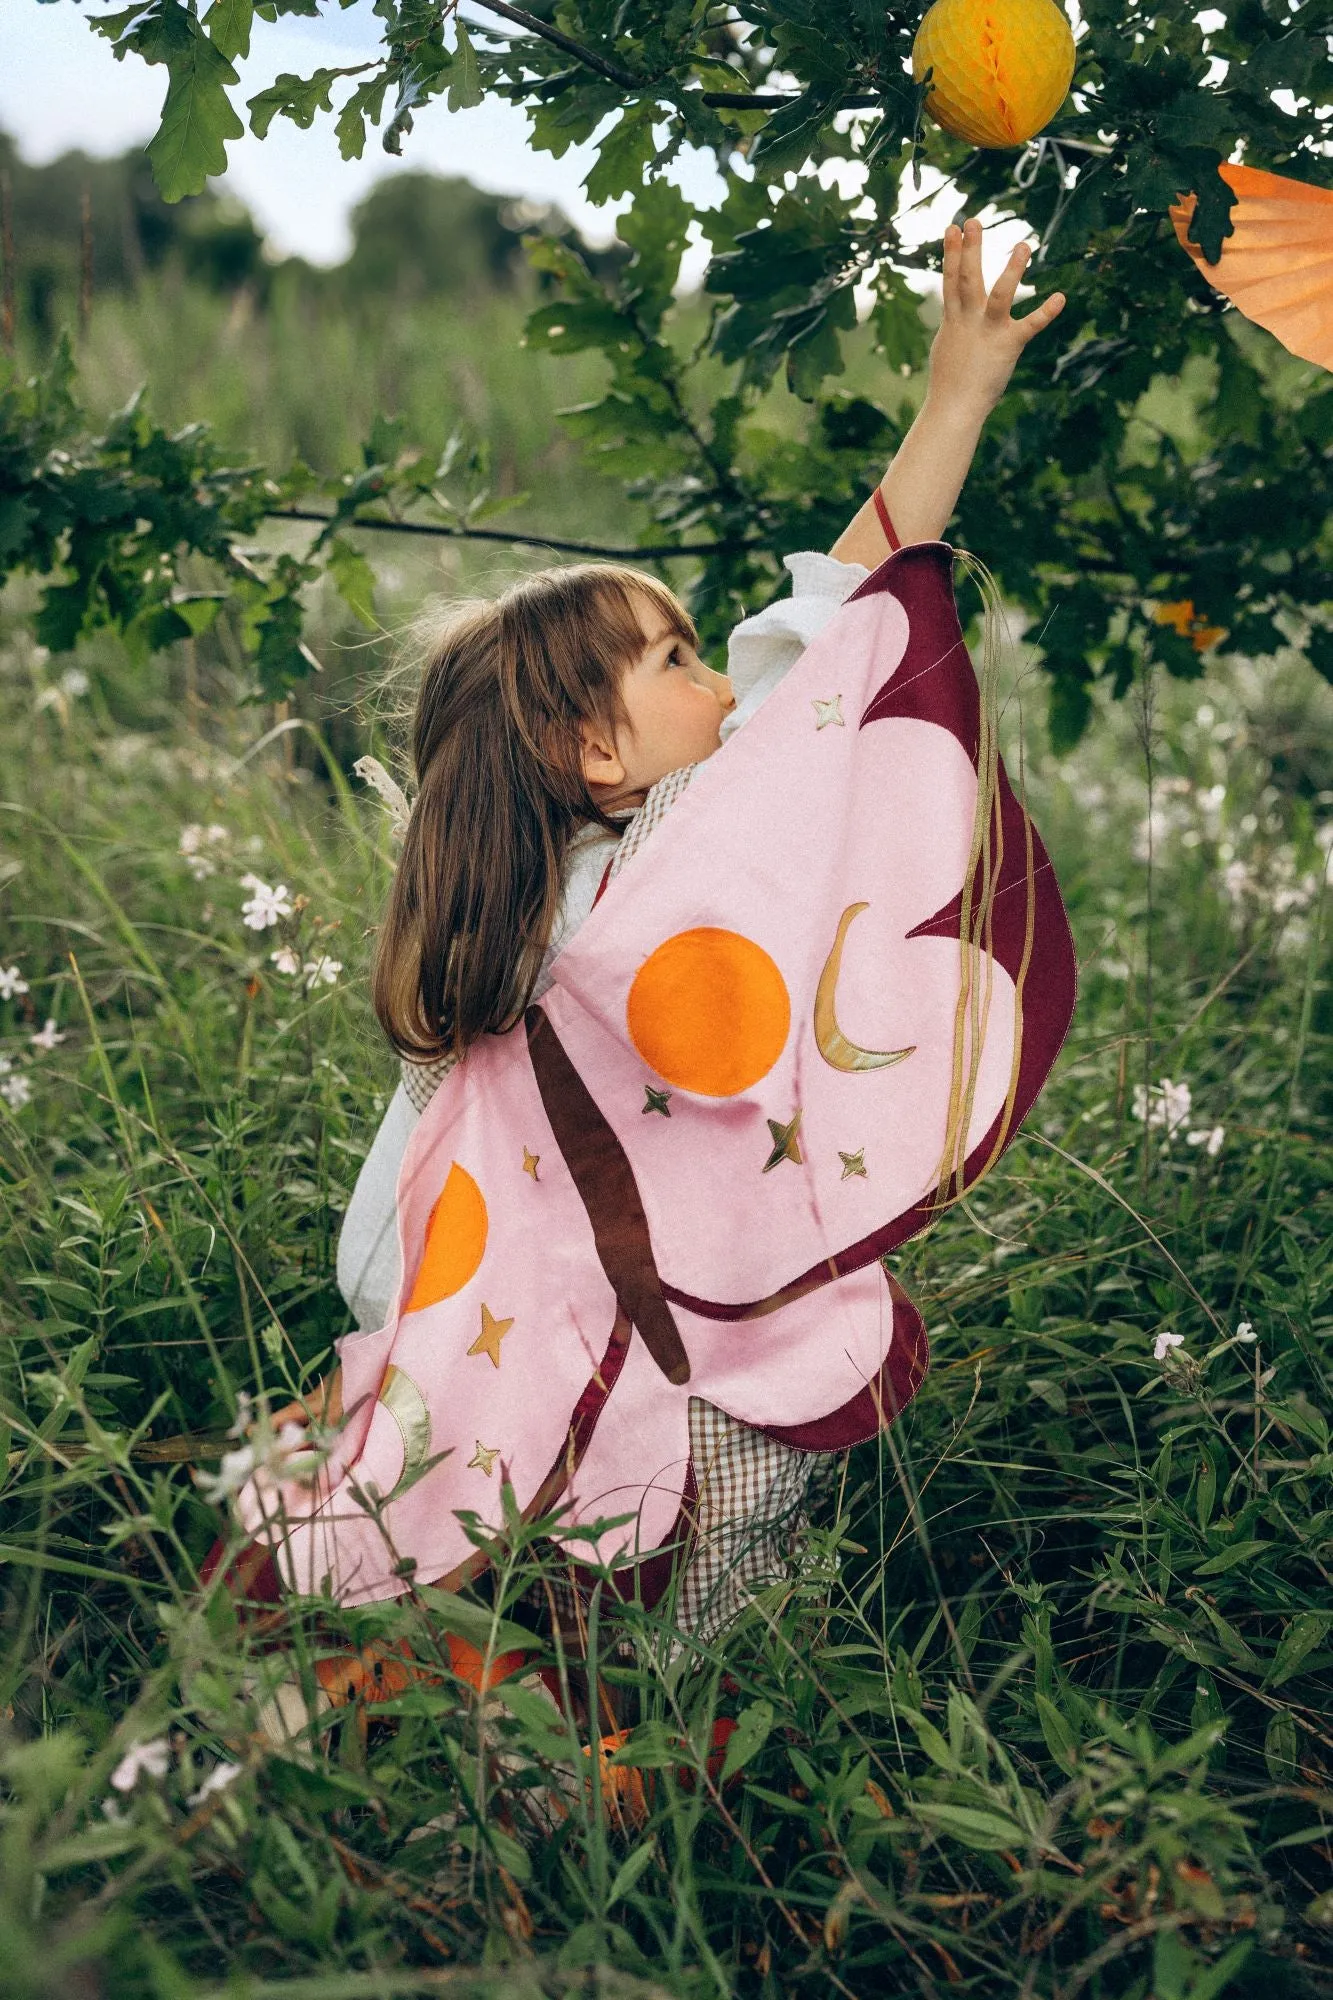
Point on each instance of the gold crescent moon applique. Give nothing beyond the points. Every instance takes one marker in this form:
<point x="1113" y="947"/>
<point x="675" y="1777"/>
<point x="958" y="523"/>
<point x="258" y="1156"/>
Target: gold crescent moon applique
<point x="407" y="1406"/>
<point x="832" y="1044"/>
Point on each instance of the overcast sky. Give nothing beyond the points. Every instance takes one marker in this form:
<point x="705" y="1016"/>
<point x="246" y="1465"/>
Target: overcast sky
<point x="61" y="87"/>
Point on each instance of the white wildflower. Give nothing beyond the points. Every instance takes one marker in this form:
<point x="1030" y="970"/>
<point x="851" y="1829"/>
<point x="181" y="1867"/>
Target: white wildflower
<point x="1164" y="1343"/>
<point x="1165" y="1103"/>
<point x="74" y="682"/>
<point x="16" y="1091"/>
<point x="218" y="1779"/>
<point x="388" y="791"/>
<point x="286" y="960"/>
<point x="12" y="982"/>
<point x="1238" y="882"/>
<point x="150" y="1759"/>
<point x="1293" y="895"/>
<point x="48" y="1038"/>
<point x="1209" y="1139"/>
<point x="321" y="971"/>
<point x="245" y="1414"/>
<point x="265" y="905"/>
<point x="1246" y="1334"/>
<point x="193" y="840"/>
<point x="268" y="1458"/>
<point x="234" y="1468"/>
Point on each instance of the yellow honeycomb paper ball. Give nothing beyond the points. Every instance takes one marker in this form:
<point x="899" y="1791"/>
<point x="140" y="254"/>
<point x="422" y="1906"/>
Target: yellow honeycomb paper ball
<point x="1001" y="68"/>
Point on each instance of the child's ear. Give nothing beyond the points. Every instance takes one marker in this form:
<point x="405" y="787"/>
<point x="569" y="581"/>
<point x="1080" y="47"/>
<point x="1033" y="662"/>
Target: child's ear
<point x="601" y="762"/>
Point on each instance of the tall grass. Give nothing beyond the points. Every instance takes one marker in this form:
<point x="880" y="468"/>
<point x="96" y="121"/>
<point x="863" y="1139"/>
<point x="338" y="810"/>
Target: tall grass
<point x="305" y="374"/>
<point x="1045" y="1707"/>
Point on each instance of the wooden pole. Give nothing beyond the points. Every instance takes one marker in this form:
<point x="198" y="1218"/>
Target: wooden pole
<point x="7" y="256"/>
<point x="85" y="260"/>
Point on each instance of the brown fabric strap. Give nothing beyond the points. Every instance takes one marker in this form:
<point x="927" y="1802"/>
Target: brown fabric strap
<point x="885" y="522"/>
<point x="607" y="1188"/>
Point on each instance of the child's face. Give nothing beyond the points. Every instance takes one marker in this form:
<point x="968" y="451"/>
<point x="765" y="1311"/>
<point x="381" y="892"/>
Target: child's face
<point x="675" y="707"/>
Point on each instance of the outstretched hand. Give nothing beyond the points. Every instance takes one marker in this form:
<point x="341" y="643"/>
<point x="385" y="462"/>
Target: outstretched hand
<point x="979" y="341"/>
<point x="971" y="359"/>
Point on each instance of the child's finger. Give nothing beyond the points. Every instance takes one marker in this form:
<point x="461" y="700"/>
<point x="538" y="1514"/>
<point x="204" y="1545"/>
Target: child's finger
<point x="953" y="257"/>
<point x="971" y="283"/>
<point x="1040" y="317"/>
<point x="1005" y="288"/>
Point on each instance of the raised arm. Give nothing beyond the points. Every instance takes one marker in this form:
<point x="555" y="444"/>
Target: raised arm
<point x="971" y="359"/>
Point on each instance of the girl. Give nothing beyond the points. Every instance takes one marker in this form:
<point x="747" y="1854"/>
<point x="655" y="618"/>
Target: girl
<point x="553" y="730"/>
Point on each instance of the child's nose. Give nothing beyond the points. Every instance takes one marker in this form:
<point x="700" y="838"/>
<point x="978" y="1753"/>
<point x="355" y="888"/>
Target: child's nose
<point x="721" y="687"/>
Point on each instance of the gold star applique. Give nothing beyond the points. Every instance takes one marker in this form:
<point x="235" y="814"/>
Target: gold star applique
<point x="483" y="1458"/>
<point x="829" y="711"/>
<point x="530" y="1162"/>
<point x="657" y="1100"/>
<point x="493" y="1331"/>
<point x="853" y="1164"/>
<point x="786" y="1146"/>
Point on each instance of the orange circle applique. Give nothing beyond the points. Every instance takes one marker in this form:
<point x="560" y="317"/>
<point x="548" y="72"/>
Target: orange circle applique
<point x="709" y="1011"/>
<point x="455" y="1241"/>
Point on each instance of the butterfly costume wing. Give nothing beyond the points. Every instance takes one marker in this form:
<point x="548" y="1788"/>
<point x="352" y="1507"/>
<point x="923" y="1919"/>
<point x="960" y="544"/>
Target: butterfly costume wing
<point x="817" y="1006"/>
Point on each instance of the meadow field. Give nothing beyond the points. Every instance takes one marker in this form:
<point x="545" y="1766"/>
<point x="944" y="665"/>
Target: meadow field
<point x="1045" y="1707"/>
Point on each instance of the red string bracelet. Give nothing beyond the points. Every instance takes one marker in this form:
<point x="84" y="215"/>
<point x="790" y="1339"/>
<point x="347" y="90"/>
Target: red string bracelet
<point x="890" y="534"/>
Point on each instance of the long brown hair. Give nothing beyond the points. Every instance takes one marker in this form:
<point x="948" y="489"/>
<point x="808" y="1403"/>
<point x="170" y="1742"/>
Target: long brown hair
<point x="498" y="754"/>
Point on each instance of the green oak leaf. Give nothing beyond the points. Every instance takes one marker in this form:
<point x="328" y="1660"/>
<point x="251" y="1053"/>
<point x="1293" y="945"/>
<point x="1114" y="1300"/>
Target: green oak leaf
<point x="622" y="156"/>
<point x="355" y="580"/>
<point x="366" y="101"/>
<point x="198" y="118"/>
<point x="465" y="85"/>
<point x="227" y="25"/>
<point x="296" y="97"/>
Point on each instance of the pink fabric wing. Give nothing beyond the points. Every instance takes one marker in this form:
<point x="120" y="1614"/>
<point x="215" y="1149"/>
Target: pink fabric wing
<point x="419" y="1387"/>
<point x="729" y="1106"/>
<point x="853" y="789"/>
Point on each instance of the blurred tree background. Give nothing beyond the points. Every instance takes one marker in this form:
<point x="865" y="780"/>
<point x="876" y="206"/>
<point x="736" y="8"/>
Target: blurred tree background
<point x="1157" y="476"/>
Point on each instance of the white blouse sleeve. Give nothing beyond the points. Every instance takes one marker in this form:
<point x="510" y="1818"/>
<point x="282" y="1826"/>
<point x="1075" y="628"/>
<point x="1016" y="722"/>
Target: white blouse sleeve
<point x="368" y="1262"/>
<point x="765" y="647"/>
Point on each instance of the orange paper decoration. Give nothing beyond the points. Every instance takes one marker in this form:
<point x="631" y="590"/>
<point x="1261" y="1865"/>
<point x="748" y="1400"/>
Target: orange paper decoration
<point x="379" y="1672"/>
<point x="1190" y="624"/>
<point x="1001" y="69"/>
<point x="1277" y="266"/>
